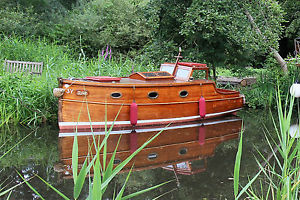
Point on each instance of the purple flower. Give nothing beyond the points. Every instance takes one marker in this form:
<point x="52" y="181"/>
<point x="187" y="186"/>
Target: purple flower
<point x="105" y="55"/>
<point x="109" y="53"/>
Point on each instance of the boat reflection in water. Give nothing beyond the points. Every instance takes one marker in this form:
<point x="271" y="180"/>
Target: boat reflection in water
<point x="176" y="148"/>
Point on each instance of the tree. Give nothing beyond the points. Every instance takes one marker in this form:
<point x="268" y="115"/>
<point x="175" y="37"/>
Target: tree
<point x="93" y="25"/>
<point x="292" y="17"/>
<point x="223" y="32"/>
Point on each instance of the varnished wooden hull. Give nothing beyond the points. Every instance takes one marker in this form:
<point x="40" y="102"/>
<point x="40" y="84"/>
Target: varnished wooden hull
<point x="178" y="143"/>
<point x="87" y="105"/>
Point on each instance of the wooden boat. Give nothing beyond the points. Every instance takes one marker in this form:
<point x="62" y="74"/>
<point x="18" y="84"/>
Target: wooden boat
<point x="176" y="144"/>
<point x="171" y="95"/>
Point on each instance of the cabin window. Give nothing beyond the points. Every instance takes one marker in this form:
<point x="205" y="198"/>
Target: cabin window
<point x="183" y="93"/>
<point x="117" y="161"/>
<point x="183" y="73"/>
<point x="116" y="95"/>
<point x="152" y="156"/>
<point x="167" y="68"/>
<point x="182" y="151"/>
<point x="152" y="95"/>
<point x="199" y="74"/>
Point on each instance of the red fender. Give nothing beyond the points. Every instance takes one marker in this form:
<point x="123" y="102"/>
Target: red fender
<point x="202" y="107"/>
<point x="133" y="113"/>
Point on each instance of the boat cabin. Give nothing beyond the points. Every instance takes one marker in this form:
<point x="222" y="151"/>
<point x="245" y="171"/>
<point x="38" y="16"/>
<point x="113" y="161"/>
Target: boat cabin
<point x="170" y="71"/>
<point x="188" y="167"/>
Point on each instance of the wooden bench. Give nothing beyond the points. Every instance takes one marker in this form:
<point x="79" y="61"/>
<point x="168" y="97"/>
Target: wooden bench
<point x="24" y="67"/>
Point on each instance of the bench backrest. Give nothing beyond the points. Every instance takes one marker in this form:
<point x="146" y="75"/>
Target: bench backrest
<point x="21" y="66"/>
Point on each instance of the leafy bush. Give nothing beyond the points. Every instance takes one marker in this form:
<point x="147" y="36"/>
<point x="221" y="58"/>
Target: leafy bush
<point x="14" y="21"/>
<point x="94" y="24"/>
<point x="262" y="93"/>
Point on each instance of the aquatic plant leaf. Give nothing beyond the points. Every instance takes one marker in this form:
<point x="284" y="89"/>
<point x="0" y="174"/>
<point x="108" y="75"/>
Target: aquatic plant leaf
<point x="75" y="158"/>
<point x="8" y="196"/>
<point x="237" y="165"/>
<point x="145" y="190"/>
<point x="110" y="165"/>
<point x="120" y="194"/>
<point x="30" y="186"/>
<point x="96" y="188"/>
<point x="10" y="189"/>
<point x="53" y="188"/>
<point x="127" y="160"/>
<point x="15" y="145"/>
<point x="247" y="186"/>
<point x="80" y="180"/>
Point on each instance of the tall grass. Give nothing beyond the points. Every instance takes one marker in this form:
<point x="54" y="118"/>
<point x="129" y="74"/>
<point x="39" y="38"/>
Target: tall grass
<point x="278" y="177"/>
<point x="28" y="99"/>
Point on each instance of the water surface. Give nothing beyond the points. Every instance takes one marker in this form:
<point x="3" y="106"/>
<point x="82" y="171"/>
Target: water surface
<point x="39" y="154"/>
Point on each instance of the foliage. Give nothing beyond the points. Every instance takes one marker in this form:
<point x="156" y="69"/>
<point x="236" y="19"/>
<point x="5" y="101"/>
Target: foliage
<point x="14" y="21"/>
<point x="278" y="178"/>
<point x="262" y="94"/>
<point x="93" y="24"/>
<point x="221" y="30"/>
<point x="209" y="31"/>
<point x="292" y="17"/>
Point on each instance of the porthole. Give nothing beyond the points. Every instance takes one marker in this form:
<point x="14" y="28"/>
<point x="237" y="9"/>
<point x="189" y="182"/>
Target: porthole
<point x="182" y="151"/>
<point x="152" y="95"/>
<point x="117" y="161"/>
<point x="152" y="156"/>
<point x="183" y="93"/>
<point x="116" y="95"/>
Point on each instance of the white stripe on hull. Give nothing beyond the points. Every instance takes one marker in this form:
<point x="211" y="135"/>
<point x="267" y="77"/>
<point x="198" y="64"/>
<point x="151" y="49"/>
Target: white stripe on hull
<point x="147" y="130"/>
<point x="141" y="122"/>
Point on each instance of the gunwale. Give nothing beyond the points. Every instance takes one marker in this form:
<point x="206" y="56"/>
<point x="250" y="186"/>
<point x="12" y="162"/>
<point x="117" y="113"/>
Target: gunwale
<point x="144" y="84"/>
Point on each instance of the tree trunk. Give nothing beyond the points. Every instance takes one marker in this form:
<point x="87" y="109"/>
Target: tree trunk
<point x="214" y="72"/>
<point x="277" y="56"/>
<point x="280" y="60"/>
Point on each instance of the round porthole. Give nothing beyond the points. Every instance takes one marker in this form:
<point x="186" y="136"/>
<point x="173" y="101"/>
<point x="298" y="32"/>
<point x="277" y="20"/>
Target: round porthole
<point x="152" y="95"/>
<point x="182" y="151"/>
<point x="116" y="95"/>
<point x="183" y="93"/>
<point x="152" y="156"/>
<point x="117" y="161"/>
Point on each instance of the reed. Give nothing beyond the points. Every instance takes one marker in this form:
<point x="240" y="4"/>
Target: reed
<point x="278" y="174"/>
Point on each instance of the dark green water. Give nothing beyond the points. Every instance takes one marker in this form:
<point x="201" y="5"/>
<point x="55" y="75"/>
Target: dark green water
<point x="38" y="153"/>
